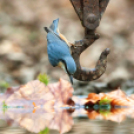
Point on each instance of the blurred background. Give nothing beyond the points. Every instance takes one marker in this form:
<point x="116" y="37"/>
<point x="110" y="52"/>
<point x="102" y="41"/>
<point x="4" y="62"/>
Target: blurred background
<point x="23" y="45"/>
<point x="23" y="50"/>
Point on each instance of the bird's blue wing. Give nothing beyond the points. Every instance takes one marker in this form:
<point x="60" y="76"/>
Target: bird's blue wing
<point x="57" y="49"/>
<point x="51" y="37"/>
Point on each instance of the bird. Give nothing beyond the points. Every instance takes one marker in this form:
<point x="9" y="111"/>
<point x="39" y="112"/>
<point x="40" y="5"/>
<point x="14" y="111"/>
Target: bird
<point x="58" y="49"/>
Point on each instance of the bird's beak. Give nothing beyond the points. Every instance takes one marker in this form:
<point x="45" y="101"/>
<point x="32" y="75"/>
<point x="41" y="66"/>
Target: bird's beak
<point x="62" y="65"/>
<point x="71" y="78"/>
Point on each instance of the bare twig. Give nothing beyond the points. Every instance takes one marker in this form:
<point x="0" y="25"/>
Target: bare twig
<point x="90" y="13"/>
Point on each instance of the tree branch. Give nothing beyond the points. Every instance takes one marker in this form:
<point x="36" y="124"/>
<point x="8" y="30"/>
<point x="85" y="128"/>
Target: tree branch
<point x="89" y="13"/>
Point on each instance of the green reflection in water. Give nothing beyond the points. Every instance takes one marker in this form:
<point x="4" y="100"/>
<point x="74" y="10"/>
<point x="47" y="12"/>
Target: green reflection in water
<point x="45" y="131"/>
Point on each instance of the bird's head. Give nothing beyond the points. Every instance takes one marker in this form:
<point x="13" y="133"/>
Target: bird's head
<point x="69" y="66"/>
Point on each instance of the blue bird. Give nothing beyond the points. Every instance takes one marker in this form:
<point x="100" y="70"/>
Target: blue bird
<point x="58" y="50"/>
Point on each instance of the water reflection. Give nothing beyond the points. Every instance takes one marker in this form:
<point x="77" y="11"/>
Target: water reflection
<point x="36" y="122"/>
<point x="61" y="120"/>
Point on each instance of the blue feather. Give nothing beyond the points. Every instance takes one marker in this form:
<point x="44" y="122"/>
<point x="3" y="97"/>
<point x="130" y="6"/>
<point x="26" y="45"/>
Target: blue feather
<point x="58" y="50"/>
<point x="54" y="26"/>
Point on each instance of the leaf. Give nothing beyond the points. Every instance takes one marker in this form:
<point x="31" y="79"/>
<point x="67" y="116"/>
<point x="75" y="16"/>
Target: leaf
<point x="41" y="121"/>
<point x="114" y="106"/>
<point x="113" y="114"/>
<point x="104" y="101"/>
<point x="104" y="112"/>
<point x="35" y="92"/>
<point x="45" y="131"/>
<point x="93" y="97"/>
<point x="115" y="98"/>
<point x="105" y="107"/>
<point x="43" y="78"/>
<point x="4" y="107"/>
<point x="61" y="90"/>
<point x="62" y="122"/>
<point x="4" y="84"/>
<point x="92" y="114"/>
<point x="11" y="90"/>
<point x="118" y="93"/>
<point x="33" y="122"/>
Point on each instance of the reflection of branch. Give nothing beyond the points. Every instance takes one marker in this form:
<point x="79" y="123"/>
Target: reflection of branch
<point x="90" y="13"/>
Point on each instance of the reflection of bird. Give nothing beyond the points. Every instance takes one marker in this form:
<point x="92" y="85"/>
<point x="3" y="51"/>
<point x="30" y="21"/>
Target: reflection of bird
<point x="59" y="51"/>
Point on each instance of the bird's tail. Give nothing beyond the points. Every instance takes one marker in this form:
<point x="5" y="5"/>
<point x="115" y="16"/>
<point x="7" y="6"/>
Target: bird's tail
<point x="55" y="31"/>
<point x="51" y="36"/>
<point x="47" y="29"/>
<point x="53" y="28"/>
